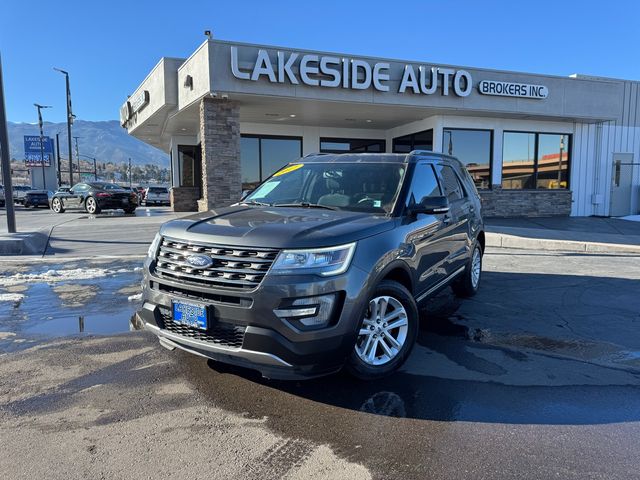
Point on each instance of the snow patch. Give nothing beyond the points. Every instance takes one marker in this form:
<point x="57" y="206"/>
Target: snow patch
<point x="632" y="218"/>
<point x="11" y="297"/>
<point x="59" y="276"/>
<point x="133" y="298"/>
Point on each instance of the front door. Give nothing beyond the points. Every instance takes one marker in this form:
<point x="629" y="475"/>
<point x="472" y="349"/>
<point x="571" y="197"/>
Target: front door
<point x="621" y="185"/>
<point x="429" y="235"/>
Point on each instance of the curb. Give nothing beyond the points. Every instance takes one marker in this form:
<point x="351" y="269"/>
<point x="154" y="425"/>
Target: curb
<point x="502" y="240"/>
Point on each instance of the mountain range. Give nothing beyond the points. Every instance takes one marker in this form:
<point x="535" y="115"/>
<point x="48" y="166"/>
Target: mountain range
<point x="107" y="141"/>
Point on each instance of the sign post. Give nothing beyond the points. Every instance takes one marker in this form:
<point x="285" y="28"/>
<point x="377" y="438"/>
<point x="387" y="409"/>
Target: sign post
<point x="6" y="165"/>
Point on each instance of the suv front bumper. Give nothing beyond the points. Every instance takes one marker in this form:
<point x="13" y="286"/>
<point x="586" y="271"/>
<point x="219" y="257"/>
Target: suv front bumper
<point x="268" y="343"/>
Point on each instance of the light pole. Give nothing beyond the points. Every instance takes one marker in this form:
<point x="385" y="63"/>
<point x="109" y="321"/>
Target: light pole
<point x="40" y="107"/>
<point x="69" y="122"/>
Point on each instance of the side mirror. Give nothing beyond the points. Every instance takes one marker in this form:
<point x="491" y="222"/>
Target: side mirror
<point x="430" y="206"/>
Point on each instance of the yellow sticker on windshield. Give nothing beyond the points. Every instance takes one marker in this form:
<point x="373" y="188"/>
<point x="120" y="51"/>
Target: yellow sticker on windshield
<point x="290" y="168"/>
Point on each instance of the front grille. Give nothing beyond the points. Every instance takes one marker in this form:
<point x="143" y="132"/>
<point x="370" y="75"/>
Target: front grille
<point x="230" y="336"/>
<point x="241" y="268"/>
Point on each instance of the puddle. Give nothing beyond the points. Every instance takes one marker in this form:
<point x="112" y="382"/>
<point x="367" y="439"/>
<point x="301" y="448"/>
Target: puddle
<point x="48" y="301"/>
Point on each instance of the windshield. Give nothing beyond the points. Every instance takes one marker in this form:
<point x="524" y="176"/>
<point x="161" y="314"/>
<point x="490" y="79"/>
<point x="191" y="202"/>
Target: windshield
<point x="369" y="187"/>
<point x="158" y="190"/>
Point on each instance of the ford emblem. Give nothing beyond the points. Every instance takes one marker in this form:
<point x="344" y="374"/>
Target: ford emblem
<point x="200" y="261"/>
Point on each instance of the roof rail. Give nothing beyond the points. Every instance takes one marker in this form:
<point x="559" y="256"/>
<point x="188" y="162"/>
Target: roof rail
<point x="421" y="152"/>
<point x="313" y="154"/>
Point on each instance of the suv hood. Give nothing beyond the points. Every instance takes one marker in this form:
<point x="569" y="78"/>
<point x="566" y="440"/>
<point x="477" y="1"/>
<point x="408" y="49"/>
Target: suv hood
<point x="276" y="227"/>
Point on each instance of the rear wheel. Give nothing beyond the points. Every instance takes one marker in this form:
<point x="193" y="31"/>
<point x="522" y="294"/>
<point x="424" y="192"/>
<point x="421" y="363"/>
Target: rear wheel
<point x="468" y="283"/>
<point x="130" y="210"/>
<point x="91" y="205"/>
<point x="388" y="331"/>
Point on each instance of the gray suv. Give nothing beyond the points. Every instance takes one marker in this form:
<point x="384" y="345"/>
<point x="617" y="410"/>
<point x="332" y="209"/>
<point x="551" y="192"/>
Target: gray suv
<point x="321" y="267"/>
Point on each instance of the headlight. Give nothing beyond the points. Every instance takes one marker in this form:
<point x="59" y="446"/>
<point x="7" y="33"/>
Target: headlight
<point x="153" y="248"/>
<point x="321" y="261"/>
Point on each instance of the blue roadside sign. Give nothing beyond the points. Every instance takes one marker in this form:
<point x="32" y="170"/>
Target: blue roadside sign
<point x="32" y="153"/>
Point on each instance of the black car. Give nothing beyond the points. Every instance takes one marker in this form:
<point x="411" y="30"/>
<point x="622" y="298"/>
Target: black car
<point x="36" y="198"/>
<point x="93" y="197"/>
<point x="322" y="266"/>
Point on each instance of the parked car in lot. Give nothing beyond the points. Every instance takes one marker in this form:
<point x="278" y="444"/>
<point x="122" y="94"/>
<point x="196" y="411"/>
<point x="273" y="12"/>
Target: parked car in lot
<point x="322" y="266"/>
<point x="36" y="198"/>
<point x="19" y="192"/>
<point x="157" y="196"/>
<point x="93" y="197"/>
<point x="2" y="201"/>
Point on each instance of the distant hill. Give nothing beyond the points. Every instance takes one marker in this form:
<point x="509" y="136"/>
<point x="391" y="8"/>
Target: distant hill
<point x="107" y="141"/>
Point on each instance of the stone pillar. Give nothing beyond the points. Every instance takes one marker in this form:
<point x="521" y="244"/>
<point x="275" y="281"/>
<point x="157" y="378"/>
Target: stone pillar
<point x="220" y="137"/>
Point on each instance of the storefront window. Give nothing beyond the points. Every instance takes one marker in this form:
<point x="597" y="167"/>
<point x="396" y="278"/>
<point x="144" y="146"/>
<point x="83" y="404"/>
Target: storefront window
<point x="518" y="160"/>
<point x="415" y="141"/>
<point x="249" y="162"/>
<point x="189" y="165"/>
<point x="535" y="160"/>
<point x="346" y="145"/>
<point x="553" y="161"/>
<point x="474" y="149"/>
<point x="261" y="156"/>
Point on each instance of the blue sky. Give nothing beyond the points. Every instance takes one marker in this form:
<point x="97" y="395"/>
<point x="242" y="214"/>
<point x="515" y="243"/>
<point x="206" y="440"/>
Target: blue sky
<point x="110" y="46"/>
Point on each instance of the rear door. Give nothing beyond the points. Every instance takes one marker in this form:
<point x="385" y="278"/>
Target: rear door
<point x="457" y="220"/>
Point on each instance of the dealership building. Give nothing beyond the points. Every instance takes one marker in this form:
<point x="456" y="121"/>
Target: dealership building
<point x="536" y="145"/>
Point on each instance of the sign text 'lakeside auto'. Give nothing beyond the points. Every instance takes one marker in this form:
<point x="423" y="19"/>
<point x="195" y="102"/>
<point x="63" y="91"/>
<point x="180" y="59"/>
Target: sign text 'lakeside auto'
<point x="328" y="71"/>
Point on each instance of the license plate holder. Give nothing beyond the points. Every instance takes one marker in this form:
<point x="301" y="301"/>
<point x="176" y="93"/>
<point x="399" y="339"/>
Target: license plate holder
<point x="194" y="315"/>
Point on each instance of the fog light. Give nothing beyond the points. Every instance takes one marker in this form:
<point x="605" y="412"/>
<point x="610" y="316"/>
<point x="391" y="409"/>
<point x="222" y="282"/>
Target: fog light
<point x="308" y="313"/>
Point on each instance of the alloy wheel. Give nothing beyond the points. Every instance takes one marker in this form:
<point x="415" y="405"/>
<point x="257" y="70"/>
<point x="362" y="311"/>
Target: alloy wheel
<point x="56" y="205"/>
<point x="476" y="267"/>
<point x="383" y="332"/>
<point x="91" y="205"/>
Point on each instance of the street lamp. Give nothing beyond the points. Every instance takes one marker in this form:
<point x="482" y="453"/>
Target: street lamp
<point x="40" y="107"/>
<point x="69" y="122"/>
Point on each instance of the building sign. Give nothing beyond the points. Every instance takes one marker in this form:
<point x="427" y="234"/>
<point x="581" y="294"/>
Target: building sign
<point x="139" y="101"/>
<point x="350" y="73"/>
<point x="125" y="113"/>
<point x="510" y="89"/>
<point x="32" y="152"/>
<point x="133" y="105"/>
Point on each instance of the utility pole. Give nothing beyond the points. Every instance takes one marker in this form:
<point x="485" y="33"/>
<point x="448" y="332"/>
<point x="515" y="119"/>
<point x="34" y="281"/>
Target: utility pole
<point x="78" y="157"/>
<point x="69" y="122"/>
<point x="40" y="107"/>
<point x="58" y="165"/>
<point x="129" y="172"/>
<point x="6" y="164"/>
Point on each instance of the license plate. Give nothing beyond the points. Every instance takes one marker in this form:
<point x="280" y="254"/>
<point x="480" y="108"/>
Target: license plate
<point x="190" y="314"/>
<point x="125" y="201"/>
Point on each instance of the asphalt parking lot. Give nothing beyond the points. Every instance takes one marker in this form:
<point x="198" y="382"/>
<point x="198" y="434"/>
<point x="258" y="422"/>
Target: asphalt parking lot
<point x="78" y="234"/>
<point x="538" y="376"/>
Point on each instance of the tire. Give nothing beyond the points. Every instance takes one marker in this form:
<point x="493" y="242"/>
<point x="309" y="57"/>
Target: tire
<point x="468" y="283"/>
<point x="129" y="211"/>
<point x="91" y="206"/>
<point x="364" y="364"/>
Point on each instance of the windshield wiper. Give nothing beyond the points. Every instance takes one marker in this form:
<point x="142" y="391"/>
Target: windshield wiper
<point x="305" y="205"/>
<point x="253" y="202"/>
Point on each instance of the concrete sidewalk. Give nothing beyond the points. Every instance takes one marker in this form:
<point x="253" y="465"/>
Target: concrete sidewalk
<point x="578" y="234"/>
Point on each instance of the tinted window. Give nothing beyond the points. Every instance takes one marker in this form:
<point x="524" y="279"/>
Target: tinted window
<point x="415" y="141"/>
<point x="452" y="188"/>
<point x="158" y="190"/>
<point x="424" y="184"/>
<point x="473" y="149"/>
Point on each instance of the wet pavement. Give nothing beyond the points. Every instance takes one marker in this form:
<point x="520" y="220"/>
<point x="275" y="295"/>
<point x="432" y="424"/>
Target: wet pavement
<point x="45" y="300"/>
<point x="535" y="377"/>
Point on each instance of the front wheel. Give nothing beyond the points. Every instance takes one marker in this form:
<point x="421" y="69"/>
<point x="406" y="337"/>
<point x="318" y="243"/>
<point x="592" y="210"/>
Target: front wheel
<point x="91" y="205"/>
<point x="387" y="333"/>
<point x="468" y="283"/>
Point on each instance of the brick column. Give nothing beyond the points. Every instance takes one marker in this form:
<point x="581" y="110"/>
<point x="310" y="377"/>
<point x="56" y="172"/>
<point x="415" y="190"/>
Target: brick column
<point x="220" y="137"/>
